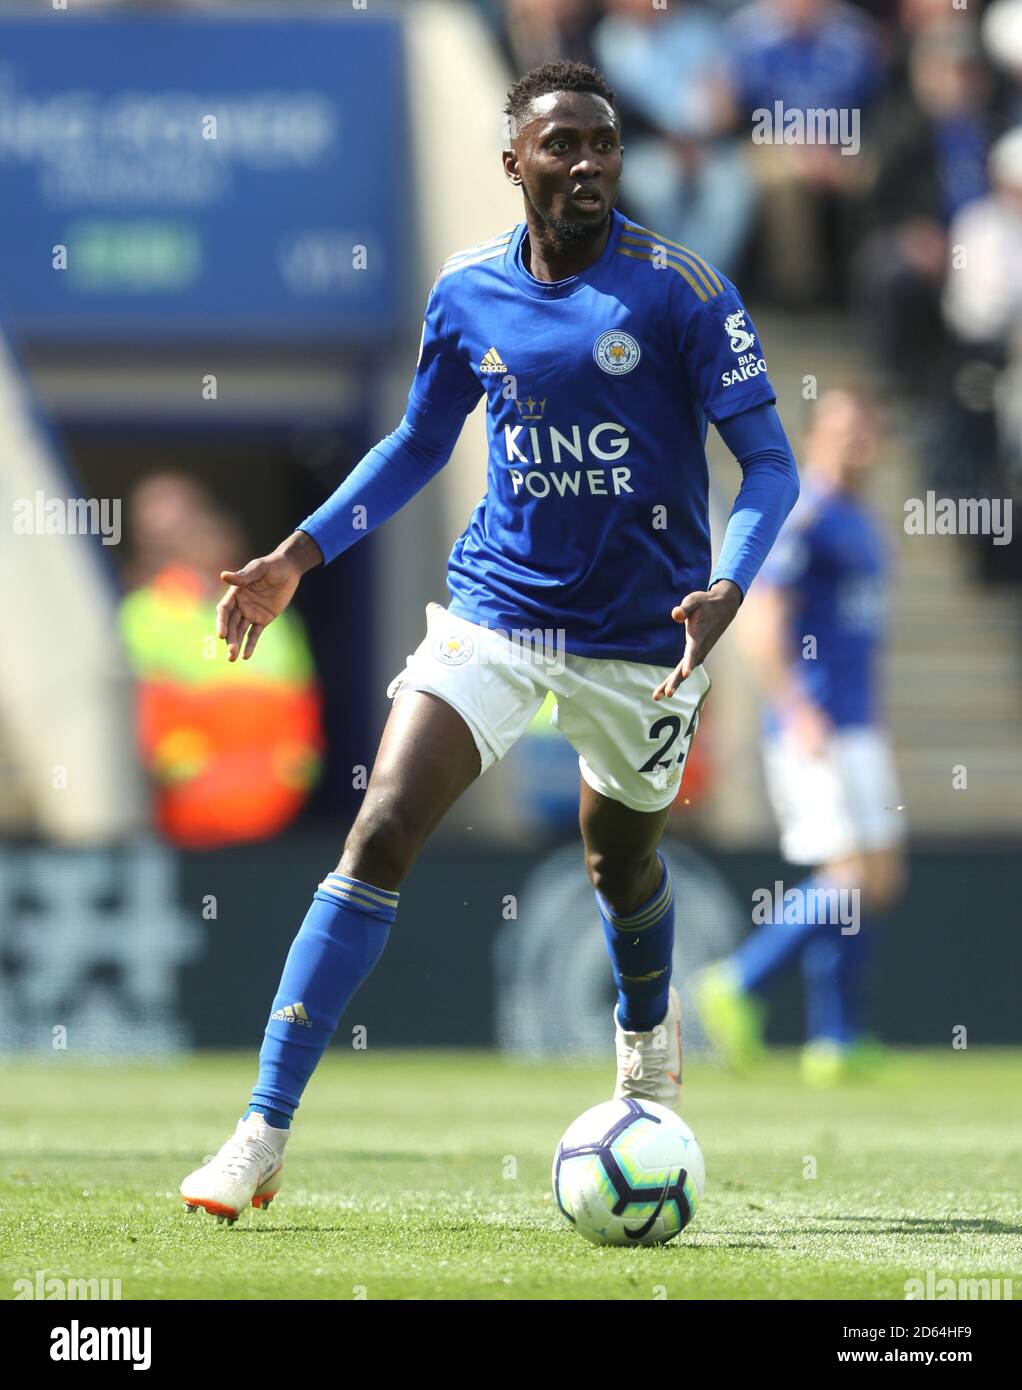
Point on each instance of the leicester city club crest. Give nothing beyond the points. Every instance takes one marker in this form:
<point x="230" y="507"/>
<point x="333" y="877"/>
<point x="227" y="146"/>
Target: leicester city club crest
<point x="453" y="648"/>
<point x="616" y="353"/>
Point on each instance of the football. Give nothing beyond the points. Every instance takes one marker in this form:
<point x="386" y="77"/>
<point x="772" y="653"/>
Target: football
<point x="628" y="1172"/>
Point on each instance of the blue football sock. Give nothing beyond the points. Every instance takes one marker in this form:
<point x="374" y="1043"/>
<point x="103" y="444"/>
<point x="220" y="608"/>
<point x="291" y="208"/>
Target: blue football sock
<point x="833" y="966"/>
<point x="769" y="948"/>
<point x="341" y="939"/>
<point x="641" y="946"/>
<point x="276" y="1119"/>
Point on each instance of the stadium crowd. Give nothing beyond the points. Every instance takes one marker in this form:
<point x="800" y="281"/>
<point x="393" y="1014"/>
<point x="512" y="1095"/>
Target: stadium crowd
<point x="908" y="217"/>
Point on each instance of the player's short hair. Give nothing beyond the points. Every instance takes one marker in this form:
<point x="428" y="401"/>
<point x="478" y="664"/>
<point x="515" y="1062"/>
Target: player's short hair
<point x="562" y="76"/>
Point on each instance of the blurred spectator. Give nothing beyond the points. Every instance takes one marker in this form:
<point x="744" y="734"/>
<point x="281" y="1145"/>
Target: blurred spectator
<point x="982" y="305"/>
<point x="983" y="296"/>
<point x="1002" y="38"/>
<point x="685" y="175"/>
<point x="930" y="162"/>
<point x="232" y="749"/>
<point x="155" y="5"/>
<point x="807" y="55"/>
<point x="913" y="18"/>
<point x="545" y="31"/>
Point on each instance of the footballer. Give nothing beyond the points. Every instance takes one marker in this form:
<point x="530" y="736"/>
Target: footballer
<point x="603" y="351"/>
<point x="815" y="633"/>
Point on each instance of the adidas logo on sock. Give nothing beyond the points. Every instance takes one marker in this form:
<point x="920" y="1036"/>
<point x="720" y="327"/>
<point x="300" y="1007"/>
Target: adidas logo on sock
<point x="292" y="1013"/>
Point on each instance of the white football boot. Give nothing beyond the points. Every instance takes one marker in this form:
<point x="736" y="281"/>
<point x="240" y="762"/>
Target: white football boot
<point x="246" y="1169"/>
<point x="649" y="1064"/>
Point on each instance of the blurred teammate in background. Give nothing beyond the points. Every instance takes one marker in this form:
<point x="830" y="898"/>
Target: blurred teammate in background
<point x="814" y="631"/>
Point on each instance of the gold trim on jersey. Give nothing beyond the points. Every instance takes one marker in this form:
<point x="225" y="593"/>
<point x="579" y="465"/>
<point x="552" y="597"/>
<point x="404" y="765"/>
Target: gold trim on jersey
<point x="472" y="255"/>
<point x="641" y="237"/>
<point x="711" y="277"/>
<point x="647" y="256"/>
<point x="475" y="260"/>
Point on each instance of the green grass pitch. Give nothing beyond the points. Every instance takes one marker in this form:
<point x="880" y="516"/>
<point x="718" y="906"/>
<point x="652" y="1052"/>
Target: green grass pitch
<point x="427" y="1175"/>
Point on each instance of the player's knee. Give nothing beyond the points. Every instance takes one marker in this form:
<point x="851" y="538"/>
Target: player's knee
<point x="381" y="846"/>
<point x="600" y="869"/>
<point x="848" y="873"/>
<point x="884" y="880"/>
<point x="877" y="876"/>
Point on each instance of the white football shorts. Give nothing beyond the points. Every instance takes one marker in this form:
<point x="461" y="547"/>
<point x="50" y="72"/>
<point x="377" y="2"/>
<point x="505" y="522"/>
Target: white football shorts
<point x="630" y="747"/>
<point x="842" y="802"/>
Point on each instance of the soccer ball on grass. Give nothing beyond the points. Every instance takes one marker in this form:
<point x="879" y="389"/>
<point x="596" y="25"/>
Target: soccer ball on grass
<point x="628" y="1172"/>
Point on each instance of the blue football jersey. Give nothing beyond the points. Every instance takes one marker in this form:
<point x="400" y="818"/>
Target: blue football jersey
<point x="598" y="391"/>
<point x="831" y="560"/>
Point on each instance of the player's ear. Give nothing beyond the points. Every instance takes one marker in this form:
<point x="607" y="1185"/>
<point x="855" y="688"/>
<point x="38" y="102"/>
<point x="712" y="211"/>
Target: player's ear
<point x="510" y="162"/>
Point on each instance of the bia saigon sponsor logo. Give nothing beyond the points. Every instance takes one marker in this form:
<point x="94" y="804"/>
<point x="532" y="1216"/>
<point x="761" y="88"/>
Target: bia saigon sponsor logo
<point x="749" y="364"/>
<point x="741" y="338"/>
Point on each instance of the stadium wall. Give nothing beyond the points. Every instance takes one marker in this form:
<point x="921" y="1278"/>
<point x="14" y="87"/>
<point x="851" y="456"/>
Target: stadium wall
<point x="142" y="951"/>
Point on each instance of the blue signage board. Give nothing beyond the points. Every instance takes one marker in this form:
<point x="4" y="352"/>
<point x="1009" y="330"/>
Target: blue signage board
<point x="199" y="177"/>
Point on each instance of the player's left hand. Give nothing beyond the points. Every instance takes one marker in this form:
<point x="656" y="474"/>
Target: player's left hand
<point x="706" y="615"/>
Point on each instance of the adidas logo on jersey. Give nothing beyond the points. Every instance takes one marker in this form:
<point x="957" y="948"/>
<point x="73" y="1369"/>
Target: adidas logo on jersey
<point x="491" y="362"/>
<point x="292" y="1013"/>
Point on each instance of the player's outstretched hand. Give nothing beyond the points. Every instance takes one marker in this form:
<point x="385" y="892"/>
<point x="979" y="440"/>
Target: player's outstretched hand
<point x="260" y="592"/>
<point x="706" y="615"/>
